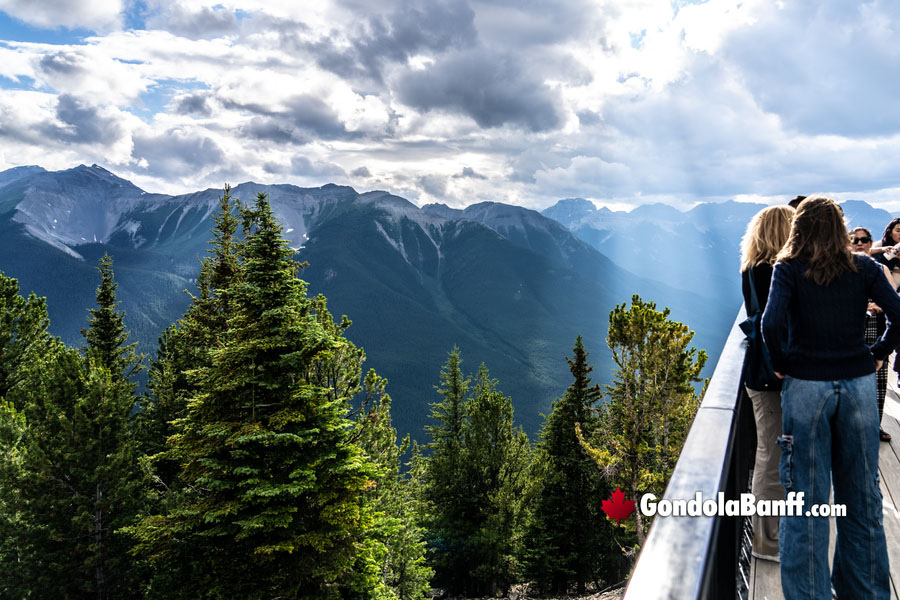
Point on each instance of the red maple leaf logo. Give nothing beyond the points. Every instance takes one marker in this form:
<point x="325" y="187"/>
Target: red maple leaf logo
<point x="618" y="507"/>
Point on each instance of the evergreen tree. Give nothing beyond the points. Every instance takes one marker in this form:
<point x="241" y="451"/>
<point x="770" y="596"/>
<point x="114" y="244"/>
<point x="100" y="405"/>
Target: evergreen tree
<point x="496" y="461"/>
<point x="23" y="332"/>
<point x="72" y="481"/>
<point x="651" y="405"/>
<point x="475" y="482"/>
<point x="274" y="502"/>
<point x="106" y="335"/>
<point x="183" y="347"/>
<point x="569" y="539"/>
<point x="447" y="501"/>
<point x="402" y="568"/>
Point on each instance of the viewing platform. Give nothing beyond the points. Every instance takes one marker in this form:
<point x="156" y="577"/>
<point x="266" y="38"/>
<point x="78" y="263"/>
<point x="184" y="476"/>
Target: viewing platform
<point x="709" y="557"/>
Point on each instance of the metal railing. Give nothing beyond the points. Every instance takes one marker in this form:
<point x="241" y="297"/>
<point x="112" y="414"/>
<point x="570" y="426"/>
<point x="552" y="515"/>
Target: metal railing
<point x="698" y="557"/>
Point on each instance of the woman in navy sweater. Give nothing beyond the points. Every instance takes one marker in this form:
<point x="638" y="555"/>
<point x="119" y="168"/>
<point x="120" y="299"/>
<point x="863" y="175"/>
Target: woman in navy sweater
<point x="814" y="327"/>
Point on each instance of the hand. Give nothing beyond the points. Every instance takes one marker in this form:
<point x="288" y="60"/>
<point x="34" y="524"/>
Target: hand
<point x="874" y="309"/>
<point x="780" y="376"/>
<point x="878" y="364"/>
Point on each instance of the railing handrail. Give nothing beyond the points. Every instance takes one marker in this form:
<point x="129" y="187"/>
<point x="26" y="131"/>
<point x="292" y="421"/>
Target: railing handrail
<point x="683" y="557"/>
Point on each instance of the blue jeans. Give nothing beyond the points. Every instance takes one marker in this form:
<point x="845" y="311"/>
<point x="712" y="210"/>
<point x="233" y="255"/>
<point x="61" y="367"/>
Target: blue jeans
<point x="831" y="429"/>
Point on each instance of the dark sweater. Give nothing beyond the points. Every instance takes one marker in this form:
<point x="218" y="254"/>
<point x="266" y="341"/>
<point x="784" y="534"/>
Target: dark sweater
<point x="817" y="332"/>
<point x="762" y="276"/>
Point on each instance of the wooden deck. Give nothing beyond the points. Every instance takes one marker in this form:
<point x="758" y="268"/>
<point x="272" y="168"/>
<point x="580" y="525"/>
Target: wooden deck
<point x="765" y="578"/>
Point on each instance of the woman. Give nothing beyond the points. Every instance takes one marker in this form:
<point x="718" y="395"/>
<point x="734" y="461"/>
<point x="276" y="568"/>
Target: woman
<point x="814" y="327"/>
<point x="766" y="234"/>
<point x="861" y="241"/>
<point x="885" y="252"/>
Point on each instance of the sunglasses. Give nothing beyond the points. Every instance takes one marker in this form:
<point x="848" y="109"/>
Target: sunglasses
<point x="860" y="240"/>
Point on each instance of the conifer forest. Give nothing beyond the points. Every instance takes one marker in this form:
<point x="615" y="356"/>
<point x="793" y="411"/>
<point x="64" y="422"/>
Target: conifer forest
<point x="260" y="460"/>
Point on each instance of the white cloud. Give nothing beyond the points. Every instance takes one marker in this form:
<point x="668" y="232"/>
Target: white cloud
<point x="95" y="15"/>
<point x="620" y="101"/>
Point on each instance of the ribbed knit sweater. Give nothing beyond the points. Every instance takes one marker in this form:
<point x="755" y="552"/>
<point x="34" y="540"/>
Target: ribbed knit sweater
<point x="817" y="332"/>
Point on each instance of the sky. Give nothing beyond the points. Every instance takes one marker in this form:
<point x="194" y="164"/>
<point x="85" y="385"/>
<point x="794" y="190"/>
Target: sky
<point x="622" y="102"/>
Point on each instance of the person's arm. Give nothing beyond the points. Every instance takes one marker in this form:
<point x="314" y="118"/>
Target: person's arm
<point x="882" y="293"/>
<point x="775" y="316"/>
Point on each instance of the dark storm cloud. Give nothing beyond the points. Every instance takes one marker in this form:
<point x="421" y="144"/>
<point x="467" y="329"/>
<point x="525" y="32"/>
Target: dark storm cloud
<point x="192" y="104"/>
<point x="83" y="123"/>
<point x="410" y="29"/>
<point x="492" y="89"/>
<point x="176" y="152"/>
<point x="469" y="173"/>
<point x="361" y="172"/>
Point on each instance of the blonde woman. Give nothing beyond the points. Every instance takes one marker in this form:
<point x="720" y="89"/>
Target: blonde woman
<point x="766" y="234"/>
<point x="814" y="328"/>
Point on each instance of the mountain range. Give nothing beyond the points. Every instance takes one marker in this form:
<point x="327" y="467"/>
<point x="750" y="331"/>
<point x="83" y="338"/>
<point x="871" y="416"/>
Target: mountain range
<point x="509" y="286"/>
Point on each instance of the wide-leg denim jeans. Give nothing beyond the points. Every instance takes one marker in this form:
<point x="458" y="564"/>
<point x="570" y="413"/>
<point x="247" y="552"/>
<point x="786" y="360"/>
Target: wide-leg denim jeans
<point x="831" y="429"/>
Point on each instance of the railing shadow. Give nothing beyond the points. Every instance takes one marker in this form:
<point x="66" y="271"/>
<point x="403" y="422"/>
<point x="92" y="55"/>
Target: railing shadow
<point x="698" y="557"/>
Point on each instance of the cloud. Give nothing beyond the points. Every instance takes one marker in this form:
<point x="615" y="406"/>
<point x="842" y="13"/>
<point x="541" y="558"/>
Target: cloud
<point x="194" y="23"/>
<point x="469" y="173"/>
<point x="192" y="104"/>
<point x="176" y="152"/>
<point x="86" y="71"/>
<point x="83" y="123"/>
<point x="395" y="36"/>
<point x="300" y="165"/>
<point x="361" y="172"/>
<point x="298" y="120"/>
<point x="836" y="75"/>
<point x="493" y="89"/>
<point x="433" y="185"/>
<point x="96" y="15"/>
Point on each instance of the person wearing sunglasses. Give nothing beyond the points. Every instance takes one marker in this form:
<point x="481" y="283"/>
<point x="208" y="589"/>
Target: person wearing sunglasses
<point x="814" y="328"/>
<point x="861" y="241"/>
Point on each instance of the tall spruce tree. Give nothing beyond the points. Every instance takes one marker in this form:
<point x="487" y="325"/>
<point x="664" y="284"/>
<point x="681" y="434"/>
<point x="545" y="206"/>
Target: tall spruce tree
<point x="184" y="347"/>
<point x="106" y="335"/>
<point x="274" y="502"/>
<point x="652" y="402"/>
<point x="570" y="541"/>
<point x="475" y="481"/>
<point x="72" y="480"/>
<point x="496" y="459"/>
<point x="447" y="502"/>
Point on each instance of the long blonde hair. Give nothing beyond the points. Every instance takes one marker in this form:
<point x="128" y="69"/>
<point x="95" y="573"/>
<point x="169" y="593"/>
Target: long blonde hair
<point x="766" y="234"/>
<point x="819" y="239"/>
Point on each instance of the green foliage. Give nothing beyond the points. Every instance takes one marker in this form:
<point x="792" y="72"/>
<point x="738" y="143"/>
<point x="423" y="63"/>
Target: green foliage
<point x="651" y="405"/>
<point x="474" y="482"/>
<point x="402" y="568"/>
<point x="23" y="332"/>
<point x="569" y="539"/>
<point x="70" y="482"/>
<point x="274" y="499"/>
<point x="106" y="335"/>
<point x="184" y="347"/>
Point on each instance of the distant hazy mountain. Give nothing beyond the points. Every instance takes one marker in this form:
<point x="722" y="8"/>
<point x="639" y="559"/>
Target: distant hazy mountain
<point x="509" y="286"/>
<point x="697" y="250"/>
